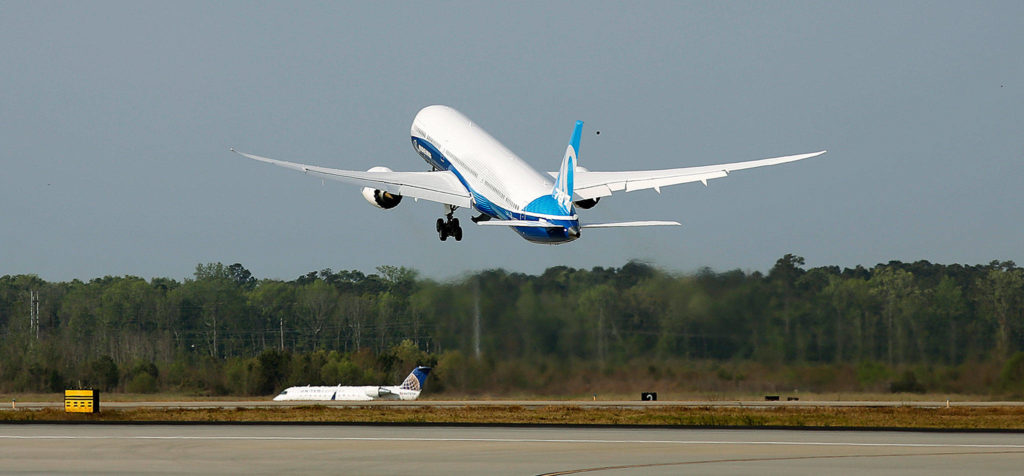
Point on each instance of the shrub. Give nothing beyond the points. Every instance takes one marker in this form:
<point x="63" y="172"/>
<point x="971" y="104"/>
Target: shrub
<point x="143" y="382"/>
<point x="907" y="383"/>
<point x="103" y="374"/>
<point x="871" y="373"/>
<point x="342" y="372"/>
<point x="1011" y="379"/>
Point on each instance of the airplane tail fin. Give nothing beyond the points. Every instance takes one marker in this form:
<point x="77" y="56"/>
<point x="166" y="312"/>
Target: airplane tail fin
<point x="563" y="183"/>
<point x="416" y="379"/>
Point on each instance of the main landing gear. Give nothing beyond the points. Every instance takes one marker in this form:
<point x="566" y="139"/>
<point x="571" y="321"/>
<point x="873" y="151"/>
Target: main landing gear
<point x="449" y="226"/>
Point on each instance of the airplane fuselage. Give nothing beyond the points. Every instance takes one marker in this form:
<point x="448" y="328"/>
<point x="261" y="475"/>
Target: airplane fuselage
<point x="502" y="185"/>
<point x="346" y="393"/>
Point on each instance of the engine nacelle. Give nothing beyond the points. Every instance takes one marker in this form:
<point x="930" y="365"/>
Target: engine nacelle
<point x="380" y="198"/>
<point x="378" y="392"/>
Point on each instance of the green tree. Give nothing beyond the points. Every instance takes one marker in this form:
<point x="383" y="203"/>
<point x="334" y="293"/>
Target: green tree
<point x="103" y="374"/>
<point x="218" y="305"/>
<point x="241" y="276"/>
<point x="896" y="291"/>
<point x="273" y="302"/>
<point x="317" y="305"/>
<point x="784" y="277"/>
<point x="947" y="306"/>
<point x="1001" y="288"/>
<point x="272" y="371"/>
<point x="596" y="303"/>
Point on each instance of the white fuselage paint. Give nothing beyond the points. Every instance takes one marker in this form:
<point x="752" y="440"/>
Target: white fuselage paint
<point x="487" y="165"/>
<point x="347" y="393"/>
<point x="502" y="184"/>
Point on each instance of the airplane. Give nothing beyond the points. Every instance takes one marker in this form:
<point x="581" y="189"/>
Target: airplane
<point x="408" y="390"/>
<point x="471" y="169"/>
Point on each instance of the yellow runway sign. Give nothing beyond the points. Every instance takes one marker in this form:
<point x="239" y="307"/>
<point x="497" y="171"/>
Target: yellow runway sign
<point x="82" y="401"/>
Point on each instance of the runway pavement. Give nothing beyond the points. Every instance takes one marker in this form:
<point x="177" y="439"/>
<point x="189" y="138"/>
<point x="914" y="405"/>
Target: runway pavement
<point x="298" y="449"/>
<point x="520" y="403"/>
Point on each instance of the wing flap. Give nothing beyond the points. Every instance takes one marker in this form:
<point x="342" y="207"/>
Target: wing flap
<point x="438" y="186"/>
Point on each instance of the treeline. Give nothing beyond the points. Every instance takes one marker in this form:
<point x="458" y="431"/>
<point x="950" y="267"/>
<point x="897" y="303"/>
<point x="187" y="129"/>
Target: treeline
<point x="896" y="326"/>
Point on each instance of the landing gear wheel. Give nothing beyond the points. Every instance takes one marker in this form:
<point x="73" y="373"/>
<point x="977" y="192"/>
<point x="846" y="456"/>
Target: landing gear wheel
<point x="449" y="226"/>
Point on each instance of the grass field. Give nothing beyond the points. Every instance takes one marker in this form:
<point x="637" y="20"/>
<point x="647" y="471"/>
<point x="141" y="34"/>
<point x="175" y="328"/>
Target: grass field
<point x="993" y="418"/>
<point x="996" y="417"/>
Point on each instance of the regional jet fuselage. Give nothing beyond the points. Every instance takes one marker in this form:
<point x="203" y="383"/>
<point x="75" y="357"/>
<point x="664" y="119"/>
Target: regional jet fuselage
<point x="409" y="390"/>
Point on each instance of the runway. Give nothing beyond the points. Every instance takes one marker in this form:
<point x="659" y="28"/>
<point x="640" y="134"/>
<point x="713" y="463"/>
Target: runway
<point x="622" y="404"/>
<point x="291" y="449"/>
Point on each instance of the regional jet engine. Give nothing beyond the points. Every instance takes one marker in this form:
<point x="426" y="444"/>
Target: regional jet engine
<point x="378" y="392"/>
<point x="380" y="198"/>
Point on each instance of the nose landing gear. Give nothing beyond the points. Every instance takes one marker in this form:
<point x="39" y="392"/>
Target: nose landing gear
<point x="449" y="226"/>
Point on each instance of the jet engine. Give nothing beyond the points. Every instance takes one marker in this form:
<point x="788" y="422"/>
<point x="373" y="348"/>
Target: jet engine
<point x="378" y="392"/>
<point x="380" y="198"/>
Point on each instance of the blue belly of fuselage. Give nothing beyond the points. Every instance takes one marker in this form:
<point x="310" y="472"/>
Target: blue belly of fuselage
<point x="548" y="236"/>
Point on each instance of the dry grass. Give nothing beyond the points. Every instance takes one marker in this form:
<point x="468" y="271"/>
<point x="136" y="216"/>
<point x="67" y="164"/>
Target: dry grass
<point x="886" y="417"/>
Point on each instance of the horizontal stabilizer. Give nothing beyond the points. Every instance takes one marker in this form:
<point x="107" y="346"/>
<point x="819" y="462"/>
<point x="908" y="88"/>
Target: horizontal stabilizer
<point x="631" y="223"/>
<point x="530" y="223"/>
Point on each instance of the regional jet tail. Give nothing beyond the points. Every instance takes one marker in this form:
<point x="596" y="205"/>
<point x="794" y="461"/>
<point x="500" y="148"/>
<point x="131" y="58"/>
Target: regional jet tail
<point x="471" y="169"/>
<point x="408" y="390"/>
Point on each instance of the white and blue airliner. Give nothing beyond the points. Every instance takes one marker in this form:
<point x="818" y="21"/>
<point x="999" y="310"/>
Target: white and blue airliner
<point x="471" y="169"/>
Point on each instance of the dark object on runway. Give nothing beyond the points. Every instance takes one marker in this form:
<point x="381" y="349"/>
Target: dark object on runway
<point x="771" y="398"/>
<point x="792" y="399"/>
<point x="649" y="396"/>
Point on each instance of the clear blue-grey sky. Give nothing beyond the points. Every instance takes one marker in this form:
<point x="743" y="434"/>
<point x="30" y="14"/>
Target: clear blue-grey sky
<point x="116" y="119"/>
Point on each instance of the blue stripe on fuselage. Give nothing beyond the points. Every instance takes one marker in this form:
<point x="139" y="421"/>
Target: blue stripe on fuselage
<point x="545" y="204"/>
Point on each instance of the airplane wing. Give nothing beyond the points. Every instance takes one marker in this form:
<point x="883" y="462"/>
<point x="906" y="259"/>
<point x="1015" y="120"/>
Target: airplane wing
<point x="438" y="186"/>
<point x="590" y="185"/>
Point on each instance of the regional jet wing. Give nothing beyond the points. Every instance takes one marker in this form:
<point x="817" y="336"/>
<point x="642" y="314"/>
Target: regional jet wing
<point x="437" y="186"/>
<point x="590" y="185"/>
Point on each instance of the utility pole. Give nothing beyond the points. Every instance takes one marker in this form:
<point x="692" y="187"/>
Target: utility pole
<point x="282" y="333"/>
<point x="33" y="313"/>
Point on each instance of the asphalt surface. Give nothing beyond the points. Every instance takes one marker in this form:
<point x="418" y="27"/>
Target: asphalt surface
<point x="521" y="403"/>
<point x="299" y="449"/>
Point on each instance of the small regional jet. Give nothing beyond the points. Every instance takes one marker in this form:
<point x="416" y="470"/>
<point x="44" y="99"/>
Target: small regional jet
<point x="408" y="390"/>
<point x="471" y="169"/>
